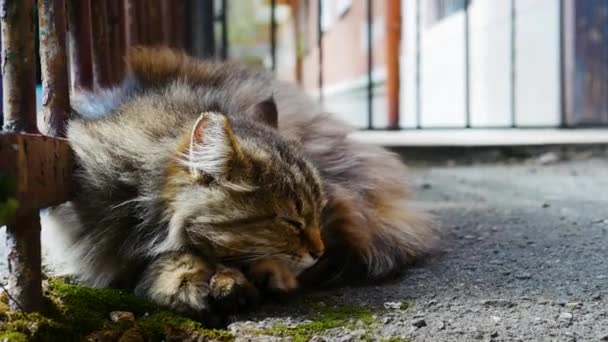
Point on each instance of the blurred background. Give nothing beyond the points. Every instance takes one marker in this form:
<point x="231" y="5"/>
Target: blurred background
<point x="384" y="65"/>
<point x="428" y="63"/>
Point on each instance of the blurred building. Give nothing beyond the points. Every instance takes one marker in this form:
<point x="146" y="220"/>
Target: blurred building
<point x="463" y="63"/>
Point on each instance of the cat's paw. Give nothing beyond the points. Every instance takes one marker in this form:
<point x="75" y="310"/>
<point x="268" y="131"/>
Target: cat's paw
<point x="180" y="281"/>
<point x="231" y="292"/>
<point x="273" y="276"/>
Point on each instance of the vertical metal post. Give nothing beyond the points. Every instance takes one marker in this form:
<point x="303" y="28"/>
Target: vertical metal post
<point x="224" y="53"/>
<point x="169" y="15"/>
<point x="563" y="92"/>
<point x="79" y="25"/>
<point x="320" y="47"/>
<point x="273" y="35"/>
<point x="418" y="72"/>
<point x="154" y="21"/>
<point x="132" y="24"/>
<point x="53" y="61"/>
<point x="117" y="34"/>
<point x="143" y="22"/>
<point x="101" y="44"/>
<point x="393" y="39"/>
<point x="202" y="21"/>
<point x="370" y="66"/>
<point x="513" y="73"/>
<point x="19" y="105"/>
<point x="467" y="66"/>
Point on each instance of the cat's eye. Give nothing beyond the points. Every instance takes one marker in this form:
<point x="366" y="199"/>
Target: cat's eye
<point x="294" y="223"/>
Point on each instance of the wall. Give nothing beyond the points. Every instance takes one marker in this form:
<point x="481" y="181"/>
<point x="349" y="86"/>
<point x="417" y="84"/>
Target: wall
<point x="512" y="69"/>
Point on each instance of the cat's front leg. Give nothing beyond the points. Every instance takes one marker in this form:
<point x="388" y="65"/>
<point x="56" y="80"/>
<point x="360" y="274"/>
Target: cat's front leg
<point x="180" y="281"/>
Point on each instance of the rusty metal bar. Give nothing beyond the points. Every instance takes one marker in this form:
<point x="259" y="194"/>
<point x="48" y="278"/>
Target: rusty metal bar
<point x="116" y="20"/>
<point x="131" y="22"/>
<point x="393" y="40"/>
<point x="370" y="65"/>
<point x="180" y="22"/>
<point x="154" y="22"/>
<point x="79" y="30"/>
<point x="18" y="66"/>
<point x="143" y="23"/>
<point x="101" y="44"/>
<point x="168" y="10"/>
<point x="53" y="61"/>
<point x="24" y="262"/>
<point x="320" y="47"/>
<point x="19" y="105"/>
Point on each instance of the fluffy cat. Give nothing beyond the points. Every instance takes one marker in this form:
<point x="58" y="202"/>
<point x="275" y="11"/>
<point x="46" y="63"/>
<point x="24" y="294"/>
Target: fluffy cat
<point x="198" y="184"/>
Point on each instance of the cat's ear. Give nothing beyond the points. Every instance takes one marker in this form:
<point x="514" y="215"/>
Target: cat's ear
<point x="213" y="146"/>
<point x="266" y="112"/>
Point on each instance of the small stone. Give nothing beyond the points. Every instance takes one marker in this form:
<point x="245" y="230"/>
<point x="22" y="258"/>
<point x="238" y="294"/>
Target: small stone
<point x="317" y="338"/>
<point x="566" y="316"/>
<point x="604" y="338"/>
<point x="498" y="303"/>
<point x="419" y="315"/>
<point x="441" y="325"/>
<point x="118" y="316"/>
<point x="547" y="158"/>
<point x="419" y="323"/>
<point x="523" y="276"/>
<point x="469" y="237"/>
<point x="546" y="205"/>
<point x="596" y="296"/>
<point x="574" y="305"/>
<point x="431" y="302"/>
<point x="496" y="319"/>
<point x="387" y="320"/>
<point x="392" y="305"/>
<point x="494" y="334"/>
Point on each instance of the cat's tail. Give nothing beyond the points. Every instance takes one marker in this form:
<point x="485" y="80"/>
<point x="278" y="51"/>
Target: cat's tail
<point x="370" y="226"/>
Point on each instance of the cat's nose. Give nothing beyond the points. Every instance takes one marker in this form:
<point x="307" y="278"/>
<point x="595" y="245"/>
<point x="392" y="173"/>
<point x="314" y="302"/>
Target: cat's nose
<point x="316" y="254"/>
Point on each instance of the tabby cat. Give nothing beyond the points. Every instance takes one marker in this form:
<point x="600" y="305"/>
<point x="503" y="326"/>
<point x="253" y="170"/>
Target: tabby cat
<point x="200" y="185"/>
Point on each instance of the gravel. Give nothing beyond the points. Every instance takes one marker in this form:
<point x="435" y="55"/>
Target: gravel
<point x="513" y="269"/>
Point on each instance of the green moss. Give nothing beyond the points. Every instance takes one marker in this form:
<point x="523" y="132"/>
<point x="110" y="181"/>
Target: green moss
<point x="322" y="318"/>
<point x="396" y="339"/>
<point x="407" y="304"/>
<point x="13" y="337"/>
<point x="73" y="312"/>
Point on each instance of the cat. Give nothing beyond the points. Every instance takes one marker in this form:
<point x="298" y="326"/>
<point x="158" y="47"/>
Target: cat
<point x="200" y="185"/>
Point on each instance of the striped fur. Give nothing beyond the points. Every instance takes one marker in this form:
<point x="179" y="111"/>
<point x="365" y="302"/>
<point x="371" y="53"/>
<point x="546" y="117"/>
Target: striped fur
<point x="177" y="160"/>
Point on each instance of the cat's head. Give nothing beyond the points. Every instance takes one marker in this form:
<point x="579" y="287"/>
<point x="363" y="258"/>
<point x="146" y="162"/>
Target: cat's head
<point x="240" y="190"/>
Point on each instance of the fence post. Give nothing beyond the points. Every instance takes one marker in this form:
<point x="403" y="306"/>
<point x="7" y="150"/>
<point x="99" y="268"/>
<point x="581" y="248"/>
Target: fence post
<point x="19" y="94"/>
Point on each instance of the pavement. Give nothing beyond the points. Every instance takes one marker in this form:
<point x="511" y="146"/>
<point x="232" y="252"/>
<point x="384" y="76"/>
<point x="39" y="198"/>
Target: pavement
<point x="525" y="259"/>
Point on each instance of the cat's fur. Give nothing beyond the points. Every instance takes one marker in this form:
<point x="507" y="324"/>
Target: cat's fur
<point x="181" y="177"/>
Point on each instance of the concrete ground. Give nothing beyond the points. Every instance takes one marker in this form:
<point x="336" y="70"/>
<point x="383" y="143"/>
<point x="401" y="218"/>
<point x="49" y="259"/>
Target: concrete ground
<point x="526" y="259"/>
